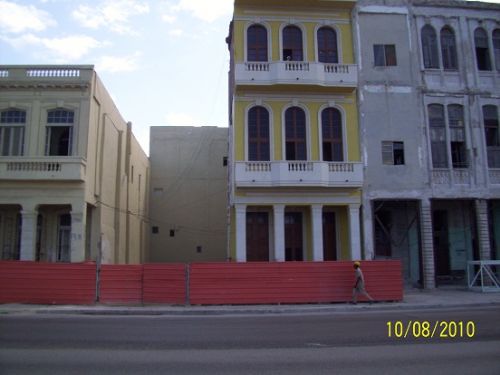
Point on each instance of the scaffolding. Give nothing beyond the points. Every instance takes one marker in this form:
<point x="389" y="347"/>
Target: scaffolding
<point x="482" y="275"/>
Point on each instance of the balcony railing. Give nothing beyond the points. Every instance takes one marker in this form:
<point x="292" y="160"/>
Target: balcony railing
<point x="56" y="74"/>
<point x="451" y="177"/>
<point x="298" y="173"/>
<point x="42" y="169"/>
<point x="296" y="72"/>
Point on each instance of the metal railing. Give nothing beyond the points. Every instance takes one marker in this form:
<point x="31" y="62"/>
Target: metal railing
<point x="481" y="276"/>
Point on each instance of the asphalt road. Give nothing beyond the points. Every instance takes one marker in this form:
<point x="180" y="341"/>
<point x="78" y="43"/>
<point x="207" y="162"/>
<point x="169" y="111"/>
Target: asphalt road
<point x="340" y="343"/>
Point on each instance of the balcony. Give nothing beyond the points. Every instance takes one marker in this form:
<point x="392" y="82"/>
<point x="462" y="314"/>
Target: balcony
<point x="298" y="174"/>
<point x="45" y="76"/>
<point x="451" y="177"/>
<point x="42" y="169"/>
<point x="297" y="73"/>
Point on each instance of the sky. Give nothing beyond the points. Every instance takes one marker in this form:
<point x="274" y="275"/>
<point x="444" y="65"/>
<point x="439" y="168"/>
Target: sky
<point x="164" y="62"/>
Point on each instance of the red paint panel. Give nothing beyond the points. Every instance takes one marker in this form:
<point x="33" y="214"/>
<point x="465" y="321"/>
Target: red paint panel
<point x="291" y="282"/>
<point x="120" y="284"/>
<point x="164" y="283"/>
<point x="47" y="283"/>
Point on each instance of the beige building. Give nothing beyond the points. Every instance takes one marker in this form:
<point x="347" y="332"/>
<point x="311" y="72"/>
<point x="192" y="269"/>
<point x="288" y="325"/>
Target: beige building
<point x="73" y="178"/>
<point x="188" y="193"/>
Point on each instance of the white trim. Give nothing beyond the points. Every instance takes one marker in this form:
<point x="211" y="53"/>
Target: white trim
<point x="308" y="128"/>
<point x="297" y="199"/>
<point x="344" y="128"/>
<point x="335" y="28"/>
<point x="382" y="9"/>
<point x="300" y="97"/>
<point x="271" y="128"/>
<point x="304" y="39"/>
<point x="269" y="38"/>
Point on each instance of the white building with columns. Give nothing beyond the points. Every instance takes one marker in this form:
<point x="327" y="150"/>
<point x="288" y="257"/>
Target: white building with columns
<point x="295" y="168"/>
<point x="73" y="178"/>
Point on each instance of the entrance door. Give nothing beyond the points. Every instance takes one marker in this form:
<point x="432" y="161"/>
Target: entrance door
<point x="441" y="245"/>
<point x="257" y="236"/>
<point x="293" y="236"/>
<point x="64" y="238"/>
<point x="329" y="236"/>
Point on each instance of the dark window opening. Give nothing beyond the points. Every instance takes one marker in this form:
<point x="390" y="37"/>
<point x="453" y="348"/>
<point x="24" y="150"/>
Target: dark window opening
<point x="496" y="48"/>
<point x="258" y="134"/>
<point x="393" y="153"/>
<point x="384" y="54"/>
<point x="295" y="129"/>
<point x="327" y="45"/>
<point x="292" y="44"/>
<point x="429" y="47"/>
<point x="448" y="49"/>
<point x="482" y="50"/>
<point x="58" y="140"/>
<point x="257" y="43"/>
<point x="491" y="134"/>
<point x="155" y="230"/>
<point x="331" y="128"/>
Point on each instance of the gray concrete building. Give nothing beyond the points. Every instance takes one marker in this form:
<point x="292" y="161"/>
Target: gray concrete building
<point x="188" y="196"/>
<point x="429" y="103"/>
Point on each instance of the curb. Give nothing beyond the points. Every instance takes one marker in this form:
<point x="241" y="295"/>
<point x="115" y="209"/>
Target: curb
<point x="144" y="311"/>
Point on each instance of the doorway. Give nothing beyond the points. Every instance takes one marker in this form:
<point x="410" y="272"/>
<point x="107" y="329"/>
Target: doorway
<point x="294" y="247"/>
<point x="329" y="236"/>
<point x="257" y="236"/>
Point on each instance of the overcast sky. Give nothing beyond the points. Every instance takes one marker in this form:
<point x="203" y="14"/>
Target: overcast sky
<point x="164" y="62"/>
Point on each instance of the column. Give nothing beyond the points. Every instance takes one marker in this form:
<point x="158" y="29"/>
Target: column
<point x="28" y="234"/>
<point x="368" y="221"/>
<point x="78" y="221"/>
<point x="483" y="230"/>
<point x="427" y="244"/>
<point x="279" y="232"/>
<point x="317" y="232"/>
<point x="241" y="232"/>
<point x="354" y="232"/>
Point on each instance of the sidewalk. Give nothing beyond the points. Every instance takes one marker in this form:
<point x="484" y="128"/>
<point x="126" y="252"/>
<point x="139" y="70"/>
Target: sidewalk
<point x="451" y="297"/>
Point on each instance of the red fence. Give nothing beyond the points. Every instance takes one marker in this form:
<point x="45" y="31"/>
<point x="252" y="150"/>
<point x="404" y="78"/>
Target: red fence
<point x="297" y="282"/>
<point x="47" y="283"/>
<point x="197" y="283"/>
<point x="165" y="283"/>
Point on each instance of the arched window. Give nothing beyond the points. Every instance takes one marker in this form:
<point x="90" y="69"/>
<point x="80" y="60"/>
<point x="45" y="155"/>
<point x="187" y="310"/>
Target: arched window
<point x="331" y="128"/>
<point x="295" y="134"/>
<point x="457" y="135"/>
<point x="256" y="43"/>
<point x="327" y="45"/>
<point x="292" y="44"/>
<point x="438" y="135"/>
<point x="496" y="48"/>
<point x="429" y="47"/>
<point x="492" y="135"/>
<point x="448" y="49"/>
<point x="258" y="134"/>
<point x="482" y="50"/>
<point x="12" y="123"/>
<point x="59" y="132"/>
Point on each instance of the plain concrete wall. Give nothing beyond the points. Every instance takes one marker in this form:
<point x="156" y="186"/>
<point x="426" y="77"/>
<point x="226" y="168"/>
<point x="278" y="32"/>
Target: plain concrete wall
<point x="188" y="193"/>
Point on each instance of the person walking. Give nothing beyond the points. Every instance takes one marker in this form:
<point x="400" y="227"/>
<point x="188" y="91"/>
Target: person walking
<point x="359" y="285"/>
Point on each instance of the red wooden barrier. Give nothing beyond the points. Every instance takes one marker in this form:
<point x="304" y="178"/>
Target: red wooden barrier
<point x="290" y="282"/>
<point x="120" y="284"/>
<point x="164" y="283"/>
<point x="47" y="283"/>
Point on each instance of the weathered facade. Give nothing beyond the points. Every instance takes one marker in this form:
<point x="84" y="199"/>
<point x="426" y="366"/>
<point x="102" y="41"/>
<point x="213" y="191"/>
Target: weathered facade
<point x="73" y="178"/>
<point x="188" y="195"/>
<point x="429" y="103"/>
<point x="295" y="162"/>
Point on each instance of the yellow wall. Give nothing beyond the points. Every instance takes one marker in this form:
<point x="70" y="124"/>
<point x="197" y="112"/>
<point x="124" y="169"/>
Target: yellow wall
<point x="277" y="107"/>
<point x="344" y="35"/>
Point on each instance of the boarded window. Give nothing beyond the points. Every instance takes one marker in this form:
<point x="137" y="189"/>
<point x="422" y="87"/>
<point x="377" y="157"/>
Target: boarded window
<point x="258" y="134"/>
<point x="331" y="128"/>
<point x="295" y="129"/>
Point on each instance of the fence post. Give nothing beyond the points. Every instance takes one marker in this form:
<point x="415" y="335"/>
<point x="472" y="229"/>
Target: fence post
<point x="187" y="279"/>
<point x="98" y="269"/>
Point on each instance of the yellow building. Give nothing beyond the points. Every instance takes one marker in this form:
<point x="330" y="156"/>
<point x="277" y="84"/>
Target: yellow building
<point x="295" y="163"/>
<point x="73" y="178"/>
